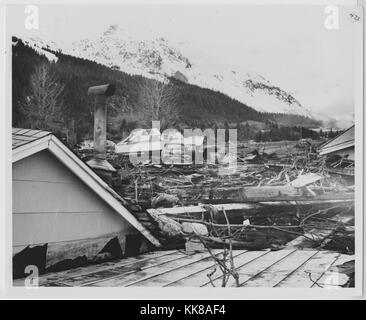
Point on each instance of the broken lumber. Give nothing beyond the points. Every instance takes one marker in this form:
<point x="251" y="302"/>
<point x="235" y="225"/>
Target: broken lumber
<point x="238" y="212"/>
<point x="232" y="207"/>
<point x="242" y="196"/>
<point x="318" y="236"/>
<point x="305" y="179"/>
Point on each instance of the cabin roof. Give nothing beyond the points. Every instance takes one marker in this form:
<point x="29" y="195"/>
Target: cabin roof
<point x="21" y="137"/>
<point x="287" y="268"/>
<point x="344" y="140"/>
<point x="26" y="142"/>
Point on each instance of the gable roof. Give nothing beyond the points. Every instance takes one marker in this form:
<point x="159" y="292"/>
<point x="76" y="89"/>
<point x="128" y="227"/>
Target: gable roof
<point x="342" y="141"/>
<point x="23" y="136"/>
<point x="26" y="142"/>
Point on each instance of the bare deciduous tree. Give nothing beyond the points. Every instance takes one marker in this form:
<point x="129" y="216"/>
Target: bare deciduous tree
<point x="158" y="101"/>
<point x="44" y="105"/>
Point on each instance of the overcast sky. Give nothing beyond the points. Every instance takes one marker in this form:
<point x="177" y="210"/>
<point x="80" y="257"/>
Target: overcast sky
<point x="289" y="45"/>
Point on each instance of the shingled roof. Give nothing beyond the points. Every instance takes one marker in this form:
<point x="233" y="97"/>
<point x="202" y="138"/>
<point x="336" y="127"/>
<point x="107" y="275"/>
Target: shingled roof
<point x="21" y="136"/>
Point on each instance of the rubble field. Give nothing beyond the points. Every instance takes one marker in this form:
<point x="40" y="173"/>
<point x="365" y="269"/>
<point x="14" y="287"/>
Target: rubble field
<point x="273" y="195"/>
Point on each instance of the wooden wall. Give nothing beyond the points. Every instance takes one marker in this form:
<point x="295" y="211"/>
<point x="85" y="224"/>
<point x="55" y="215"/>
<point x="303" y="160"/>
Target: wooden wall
<point x="51" y="205"/>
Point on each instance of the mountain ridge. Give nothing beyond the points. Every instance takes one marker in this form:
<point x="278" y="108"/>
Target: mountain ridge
<point x="157" y="58"/>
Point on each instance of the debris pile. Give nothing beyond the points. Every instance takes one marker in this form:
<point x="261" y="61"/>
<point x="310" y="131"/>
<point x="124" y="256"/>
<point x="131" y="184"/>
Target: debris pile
<point x="220" y="183"/>
<point x="255" y="227"/>
<point x="273" y="196"/>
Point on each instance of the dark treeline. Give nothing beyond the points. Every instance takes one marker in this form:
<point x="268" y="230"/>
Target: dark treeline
<point x="329" y="134"/>
<point x="276" y="132"/>
<point x="292" y="120"/>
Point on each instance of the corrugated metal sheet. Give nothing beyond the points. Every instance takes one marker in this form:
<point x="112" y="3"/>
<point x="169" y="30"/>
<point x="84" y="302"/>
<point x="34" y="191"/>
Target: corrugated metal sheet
<point x="21" y="137"/>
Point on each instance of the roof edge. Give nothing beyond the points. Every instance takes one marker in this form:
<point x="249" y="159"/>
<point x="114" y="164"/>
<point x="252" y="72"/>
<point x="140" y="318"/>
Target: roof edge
<point x="337" y="136"/>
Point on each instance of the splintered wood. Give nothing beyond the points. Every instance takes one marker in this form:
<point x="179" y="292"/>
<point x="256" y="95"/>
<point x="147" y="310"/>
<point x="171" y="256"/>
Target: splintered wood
<point x="266" y="204"/>
<point x="261" y="225"/>
<point x="273" y="196"/>
<point x="280" y="172"/>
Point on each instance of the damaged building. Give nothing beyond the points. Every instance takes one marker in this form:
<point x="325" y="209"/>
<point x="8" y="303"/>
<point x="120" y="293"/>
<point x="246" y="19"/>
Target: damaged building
<point x="342" y="145"/>
<point x="63" y="213"/>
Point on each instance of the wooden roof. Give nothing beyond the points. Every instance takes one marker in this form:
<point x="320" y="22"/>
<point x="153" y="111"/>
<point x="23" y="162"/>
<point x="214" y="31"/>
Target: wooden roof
<point x="21" y="136"/>
<point x="296" y="268"/>
<point x="344" y="140"/>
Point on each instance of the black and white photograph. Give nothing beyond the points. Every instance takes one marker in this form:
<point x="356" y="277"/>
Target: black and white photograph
<point x="185" y="145"/>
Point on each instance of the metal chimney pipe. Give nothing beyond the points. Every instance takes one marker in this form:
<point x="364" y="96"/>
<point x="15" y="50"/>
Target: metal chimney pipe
<point x="100" y="126"/>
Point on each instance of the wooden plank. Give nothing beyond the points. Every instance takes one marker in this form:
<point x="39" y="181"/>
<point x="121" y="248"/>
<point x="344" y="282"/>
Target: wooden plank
<point x="320" y="235"/>
<point x="343" y="172"/>
<point x="328" y="196"/>
<point x="343" y="258"/>
<point x="310" y="272"/>
<point x="238" y="197"/>
<point x="199" y="209"/>
<point x="149" y="258"/>
<point x="279" y="271"/>
<point x="265" y="192"/>
<point x="346" y="172"/>
<point x="196" y="279"/>
<point x="133" y="278"/>
<point x="283" y="268"/>
<point x="252" y="268"/>
<point x="244" y="194"/>
<point x="243" y="209"/>
<point x="177" y="274"/>
<point x="239" y="262"/>
<point x="332" y="279"/>
<point x="123" y="271"/>
<point x="234" y="196"/>
<point x="305" y="179"/>
<point x="59" y="277"/>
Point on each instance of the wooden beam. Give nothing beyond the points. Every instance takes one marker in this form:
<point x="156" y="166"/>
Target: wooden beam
<point x="243" y="207"/>
<point x="236" y="197"/>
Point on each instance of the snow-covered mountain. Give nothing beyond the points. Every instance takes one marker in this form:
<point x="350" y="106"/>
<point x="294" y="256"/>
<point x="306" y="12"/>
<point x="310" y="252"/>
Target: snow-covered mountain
<point x="41" y="47"/>
<point x="159" y="59"/>
<point x="155" y="57"/>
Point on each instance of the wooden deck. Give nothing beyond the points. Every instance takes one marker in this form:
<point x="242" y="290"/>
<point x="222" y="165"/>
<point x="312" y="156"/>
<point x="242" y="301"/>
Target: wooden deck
<point x="283" y="268"/>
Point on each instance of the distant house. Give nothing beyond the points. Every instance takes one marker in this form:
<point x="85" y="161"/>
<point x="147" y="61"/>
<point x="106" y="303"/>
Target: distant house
<point x="147" y="140"/>
<point x="140" y="140"/>
<point x="62" y="210"/>
<point x="170" y="143"/>
<point x="89" y="145"/>
<point x="342" y="145"/>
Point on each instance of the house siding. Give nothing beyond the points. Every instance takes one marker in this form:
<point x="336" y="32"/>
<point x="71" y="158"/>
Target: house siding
<point x="52" y="205"/>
